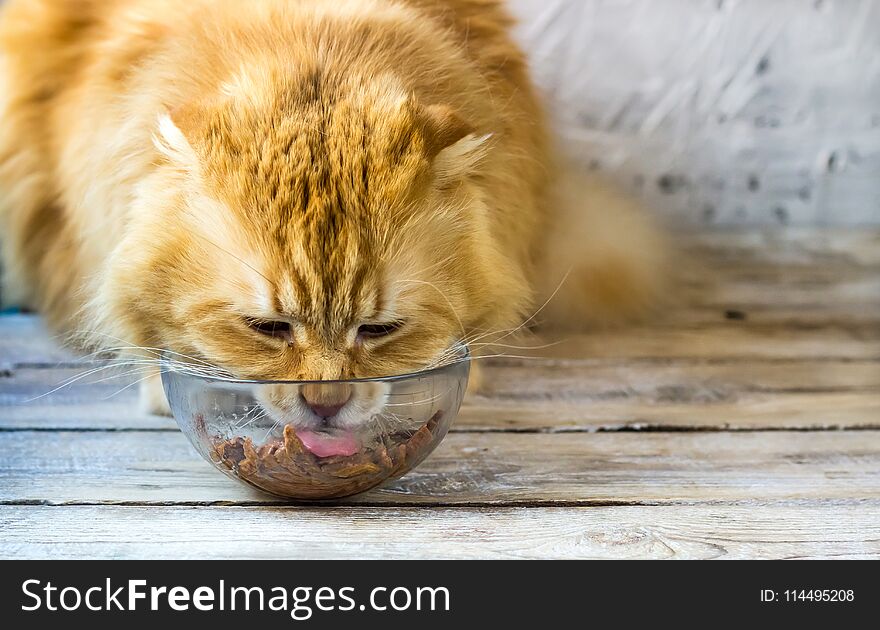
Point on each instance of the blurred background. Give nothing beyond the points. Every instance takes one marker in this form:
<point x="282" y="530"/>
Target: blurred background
<point x="719" y="111"/>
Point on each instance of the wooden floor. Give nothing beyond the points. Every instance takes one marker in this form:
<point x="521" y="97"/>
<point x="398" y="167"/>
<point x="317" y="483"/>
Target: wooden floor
<point x="744" y="423"/>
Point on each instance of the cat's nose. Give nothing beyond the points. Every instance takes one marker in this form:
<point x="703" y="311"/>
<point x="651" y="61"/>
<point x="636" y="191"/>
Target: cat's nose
<point x="324" y="411"/>
<point x="325" y="400"/>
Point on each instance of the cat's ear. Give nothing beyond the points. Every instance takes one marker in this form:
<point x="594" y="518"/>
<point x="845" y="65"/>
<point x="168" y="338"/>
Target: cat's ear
<point x="442" y="128"/>
<point x="171" y="141"/>
<point x="453" y="145"/>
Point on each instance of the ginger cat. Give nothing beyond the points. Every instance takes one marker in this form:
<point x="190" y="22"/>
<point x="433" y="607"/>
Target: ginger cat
<point x="295" y="189"/>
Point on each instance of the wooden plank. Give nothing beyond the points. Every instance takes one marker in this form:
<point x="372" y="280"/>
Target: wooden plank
<point x="24" y="339"/>
<point x="815" y="312"/>
<point x="799" y="245"/>
<point x="664" y="381"/>
<point x="538" y="395"/>
<point x="759" y="412"/>
<point x="47" y="398"/>
<point x="725" y="342"/>
<point x="810" y="530"/>
<point x="471" y="469"/>
<point x="721" y="340"/>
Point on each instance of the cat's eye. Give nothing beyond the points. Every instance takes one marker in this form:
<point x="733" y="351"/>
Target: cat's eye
<point x="271" y="328"/>
<point x="375" y="331"/>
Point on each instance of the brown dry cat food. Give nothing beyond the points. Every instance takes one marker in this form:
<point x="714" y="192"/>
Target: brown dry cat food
<point x="285" y="467"/>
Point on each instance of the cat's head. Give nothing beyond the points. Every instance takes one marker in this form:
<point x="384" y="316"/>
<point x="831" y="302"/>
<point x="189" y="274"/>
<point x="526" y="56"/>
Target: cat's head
<point x="298" y="234"/>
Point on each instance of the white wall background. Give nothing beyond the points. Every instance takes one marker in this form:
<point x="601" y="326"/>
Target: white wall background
<point x="719" y="111"/>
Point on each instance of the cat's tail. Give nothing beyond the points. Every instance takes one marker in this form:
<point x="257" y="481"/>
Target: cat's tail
<point x="605" y="261"/>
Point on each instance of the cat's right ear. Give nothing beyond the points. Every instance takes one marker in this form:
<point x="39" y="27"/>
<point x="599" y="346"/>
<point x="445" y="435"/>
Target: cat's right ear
<point x="454" y="146"/>
<point x="173" y="144"/>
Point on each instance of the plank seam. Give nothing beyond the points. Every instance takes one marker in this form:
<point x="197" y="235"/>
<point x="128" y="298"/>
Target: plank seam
<point x="531" y="504"/>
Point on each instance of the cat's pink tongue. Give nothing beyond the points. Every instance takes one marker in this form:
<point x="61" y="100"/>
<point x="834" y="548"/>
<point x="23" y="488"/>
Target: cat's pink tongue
<point x="340" y="442"/>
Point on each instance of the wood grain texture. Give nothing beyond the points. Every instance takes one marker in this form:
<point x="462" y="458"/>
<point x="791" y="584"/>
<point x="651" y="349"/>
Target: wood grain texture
<point x="546" y="394"/>
<point x="60" y="467"/>
<point x="24" y="339"/>
<point x="749" y="530"/>
<point x="743" y="421"/>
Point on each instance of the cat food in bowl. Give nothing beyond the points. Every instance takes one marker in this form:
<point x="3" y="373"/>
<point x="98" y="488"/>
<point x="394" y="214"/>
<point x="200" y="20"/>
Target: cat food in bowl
<point x="316" y="439"/>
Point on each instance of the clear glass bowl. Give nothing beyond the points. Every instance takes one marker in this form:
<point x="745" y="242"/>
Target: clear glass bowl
<point x="316" y="439"/>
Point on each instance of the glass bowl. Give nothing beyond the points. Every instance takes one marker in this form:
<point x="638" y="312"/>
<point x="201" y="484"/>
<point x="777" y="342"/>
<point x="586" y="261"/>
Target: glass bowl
<point x="316" y="439"/>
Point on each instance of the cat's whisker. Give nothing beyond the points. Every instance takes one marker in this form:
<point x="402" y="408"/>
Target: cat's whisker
<point x="239" y="422"/>
<point x="130" y="385"/>
<point x="159" y="364"/>
<point x="488" y="356"/>
<point x="421" y="402"/>
<point x="479" y="336"/>
<point x="543" y="306"/>
<point x="256" y="414"/>
<point x="492" y="344"/>
<point x="393" y="394"/>
<point x="257" y="417"/>
<point x="271" y="430"/>
<point x="135" y="364"/>
<point x="69" y="381"/>
<point x="134" y="347"/>
<point x="443" y="295"/>
<point x="126" y="374"/>
<point x="474" y="341"/>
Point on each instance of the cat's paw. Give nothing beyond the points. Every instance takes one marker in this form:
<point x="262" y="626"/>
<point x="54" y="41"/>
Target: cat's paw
<point x="152" y="397"/>
<point x="476" y="381"/>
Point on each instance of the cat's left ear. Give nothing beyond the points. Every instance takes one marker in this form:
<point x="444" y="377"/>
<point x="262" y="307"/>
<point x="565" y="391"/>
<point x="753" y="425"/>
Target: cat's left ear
<point x="453" y="145"/>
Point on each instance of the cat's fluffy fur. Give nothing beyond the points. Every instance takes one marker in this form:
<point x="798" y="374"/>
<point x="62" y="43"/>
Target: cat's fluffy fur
<point x="171" y="170"/>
